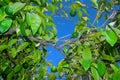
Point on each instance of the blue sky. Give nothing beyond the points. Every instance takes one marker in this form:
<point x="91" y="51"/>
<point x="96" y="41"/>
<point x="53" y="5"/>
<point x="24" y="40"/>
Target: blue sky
<point x="65" y="27"/>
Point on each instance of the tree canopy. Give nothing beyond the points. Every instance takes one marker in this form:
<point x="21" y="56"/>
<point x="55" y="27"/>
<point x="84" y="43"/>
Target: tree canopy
<point x="27" y="27"/>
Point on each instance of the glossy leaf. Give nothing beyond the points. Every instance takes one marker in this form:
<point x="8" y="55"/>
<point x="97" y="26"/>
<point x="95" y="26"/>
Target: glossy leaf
<point x="13" y="52"/>
<point x="22" y="29"/>
<point x="34" y="21"/>
<point x="5" y="25"/>
<point x="101" y="68"/>
<point x="37" y="55"/>
<point x="2" y="13"/>
<point x="17" y="6"/>
<point x="95" y="74"/>
<point x="111" y="37"/>
<point x="4" y="65"/>
<point x="87" y="58"/>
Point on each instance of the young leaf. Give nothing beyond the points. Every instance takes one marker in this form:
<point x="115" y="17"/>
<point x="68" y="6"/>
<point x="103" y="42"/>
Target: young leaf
<point x="95" y="3"/>
<point x="17" y="6"/>
<point x="2" y="13"/>
<point x="34" y="21"/>
<point x="22" y="46"/>
<point x="111" y="37"/>
<point x="94" y="73"/>
<point x="12" y="41"/>
<point x="101" y="68"/>
<point x="86" y="58"/>
<point x="5" y="25"/>
<point x="22" y="29"/>
<point x="86" y="64"/>
<point x="13" y="52"/>
<point x="37" y="55"/>
<point x="115" y="68"/>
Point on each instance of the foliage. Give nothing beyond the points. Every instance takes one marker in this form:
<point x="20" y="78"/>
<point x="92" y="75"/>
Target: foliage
<point x="26" y="30"/>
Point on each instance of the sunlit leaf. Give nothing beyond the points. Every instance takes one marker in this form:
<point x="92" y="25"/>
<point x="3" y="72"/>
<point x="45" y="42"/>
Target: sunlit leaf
<point x="22" y="46"/>
<point x="95" y="3"/>
<point x="12" y="41"/>
<point x="17" y="6"/>
<point x="5" y="25"/>
<point x="86" y="58"/>
<point x="2" y="13"/>
<point x="22" y="29"/>
<point x="2" y="47"/>
<point x="34" y="21"/>
<point x="13" y="52"/>
<point x="95" y="74"/>
<point x="101" y="68"/>
<point x="37" y="55"/>
<point x="111" y="37"/>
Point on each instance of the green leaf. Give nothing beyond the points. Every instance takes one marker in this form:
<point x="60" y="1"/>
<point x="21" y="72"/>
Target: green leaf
<point x="95" y="74"/>
<point x="86" y="58"/>
<point x="22" y="46"/>
<point x="5" y="64"/>
<point x="12" y="41"/>
<point x="34" y="21"/>
<point x="13" y="52"/>
<point x="42" y="70"/>
<point x="79" y="14"/>
<point x="52" y="76"/>
<point x="86" y="64"/>
<point x="17" y="6"/>
<point x="2" y="13"/>
<point x="17" y="68"/>
<point x="10" y="75"/>
<point x="114" y="67"/>
<point x="101" y="68"/>
<point x="22" y="29"/>
<point x="116" y="76"/>
<point x="95" y="3"/>
<point x="5" y="25"/>
<point x="37" y="55"/>
<point x="110" y="37"/>
<point x="81" y="4"/>
<point x="2" y="47"/>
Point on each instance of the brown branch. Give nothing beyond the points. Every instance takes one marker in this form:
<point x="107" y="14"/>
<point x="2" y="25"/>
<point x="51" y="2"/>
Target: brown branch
<point x="9" y="32"/>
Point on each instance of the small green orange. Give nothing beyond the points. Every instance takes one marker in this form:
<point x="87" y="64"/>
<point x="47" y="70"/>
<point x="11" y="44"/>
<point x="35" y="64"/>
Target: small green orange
<point x="9" y="10"/>
<point x="73" y="12"/>
<point x="53" y="69"/>
<point x="75" y="35"/>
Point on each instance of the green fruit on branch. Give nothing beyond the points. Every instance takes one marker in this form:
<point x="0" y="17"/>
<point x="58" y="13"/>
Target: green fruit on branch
<point x="73" y="13"/>
<point x="9" y="10"/>
<point x="75" y="35"/>
<point x="53" y="69"/>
